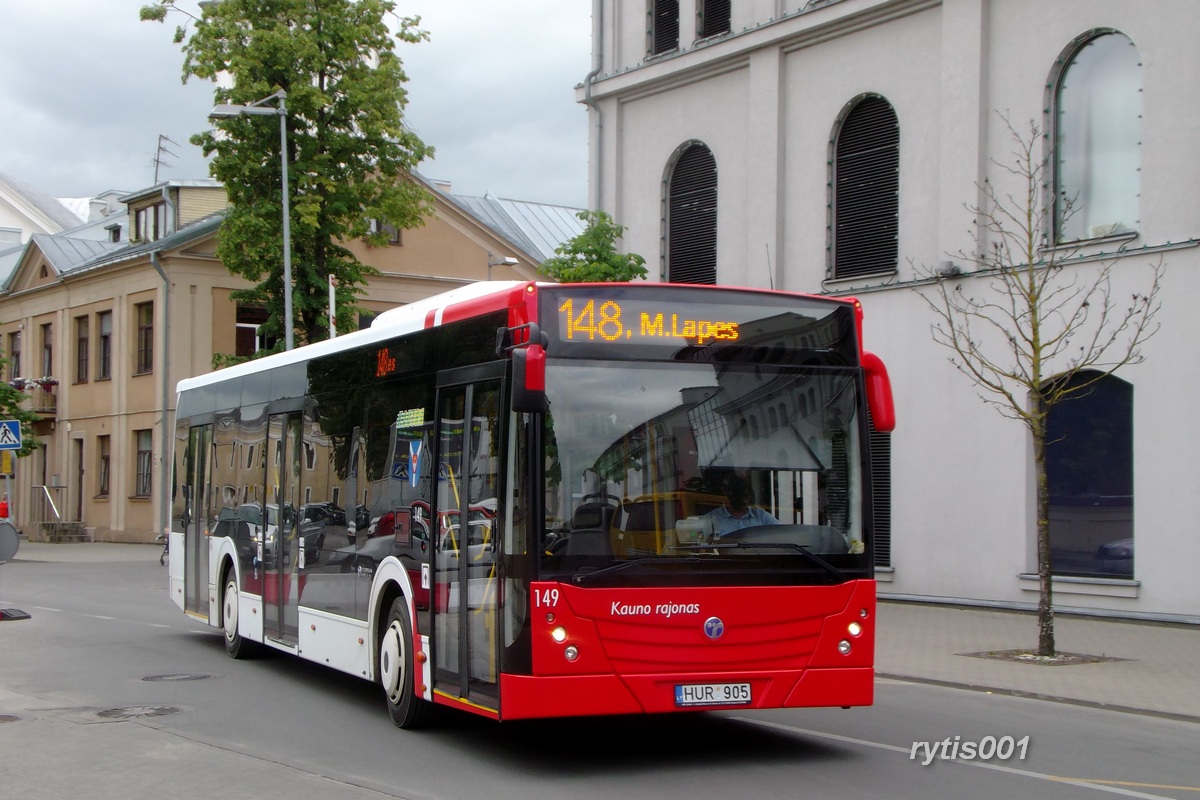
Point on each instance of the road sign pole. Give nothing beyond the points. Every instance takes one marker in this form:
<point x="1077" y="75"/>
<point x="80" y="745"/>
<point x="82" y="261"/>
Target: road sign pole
<point x="10" y="441"/>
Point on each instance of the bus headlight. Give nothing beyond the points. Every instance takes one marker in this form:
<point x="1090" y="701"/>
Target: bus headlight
<point x="855" y="629"/>
<point x="559" y="635"/>
<point x="844" y="647"/>
<point x="571" y="652"/>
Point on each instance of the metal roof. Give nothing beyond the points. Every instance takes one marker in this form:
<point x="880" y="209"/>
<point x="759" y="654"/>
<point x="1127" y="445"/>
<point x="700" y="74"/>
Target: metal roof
<point x="52" y="208"/>
<point x="67" y="254"/>
<point x="537" y="228"/>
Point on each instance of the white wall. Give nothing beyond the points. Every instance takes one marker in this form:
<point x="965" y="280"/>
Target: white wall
<point x="765" y="102"/>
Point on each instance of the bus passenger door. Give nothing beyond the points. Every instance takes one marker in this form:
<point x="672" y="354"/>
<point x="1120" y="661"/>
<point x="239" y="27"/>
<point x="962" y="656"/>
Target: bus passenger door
<point x="281" y="549"/>
<point x="195" y="519"/>
<point x="466" y="620"/>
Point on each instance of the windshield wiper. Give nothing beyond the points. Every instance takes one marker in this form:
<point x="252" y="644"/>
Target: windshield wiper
<point x="799" y="548"/>
<point x="579" y="578"/>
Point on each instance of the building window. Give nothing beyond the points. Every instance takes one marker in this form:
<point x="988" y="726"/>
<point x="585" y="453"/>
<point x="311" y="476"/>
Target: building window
<point x="712" y="17"/>
<point x="691" y="246"/>
<point x="664" y="26"/>
<point x="143" y="444"/>
<point x="881" y="493"/>
<point x="14" y="355"/>
<point x="104" y="349"/>
<point x="145" y="337"/>
<point x="387" y="229"/>
<point x="82" y="345"/>
<point x="47" y="349"/>
<point x="249" y="335"/>
<point x="865" y="190"/>
<point x="1089" y="473"/>
<point x="103" y="448"/>
<point x="1097" y="103"/>
<point x="150" y="223"/>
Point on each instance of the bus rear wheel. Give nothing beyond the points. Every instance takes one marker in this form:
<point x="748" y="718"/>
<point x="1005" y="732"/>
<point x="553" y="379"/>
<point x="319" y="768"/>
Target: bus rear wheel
<point x="396" y="671"/>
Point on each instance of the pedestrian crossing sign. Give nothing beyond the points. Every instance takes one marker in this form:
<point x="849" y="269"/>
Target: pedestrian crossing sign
<point x="10" y="434"/>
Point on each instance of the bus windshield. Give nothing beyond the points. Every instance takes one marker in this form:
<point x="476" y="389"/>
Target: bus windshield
<point x="749" y="471"/>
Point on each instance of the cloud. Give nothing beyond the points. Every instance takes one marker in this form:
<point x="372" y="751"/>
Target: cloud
<point x="87" y="90"/>
<point x="493" y="90"/>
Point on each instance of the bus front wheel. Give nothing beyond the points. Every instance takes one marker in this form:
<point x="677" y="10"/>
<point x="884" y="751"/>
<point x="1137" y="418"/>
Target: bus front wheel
<point x="396" y="670"/>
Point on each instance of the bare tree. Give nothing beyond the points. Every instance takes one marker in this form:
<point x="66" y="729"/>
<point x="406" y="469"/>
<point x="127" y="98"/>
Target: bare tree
<point x="1025" y="320"/>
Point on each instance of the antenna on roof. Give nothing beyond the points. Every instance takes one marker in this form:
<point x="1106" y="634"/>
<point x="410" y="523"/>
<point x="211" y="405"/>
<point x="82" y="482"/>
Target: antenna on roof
<point x="160" y="152"/>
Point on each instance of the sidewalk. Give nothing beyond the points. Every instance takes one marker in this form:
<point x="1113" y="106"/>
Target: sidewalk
<point x="1153" y="667"/>
<point x="83" y="552"/>
<point x="1155" y="670"/>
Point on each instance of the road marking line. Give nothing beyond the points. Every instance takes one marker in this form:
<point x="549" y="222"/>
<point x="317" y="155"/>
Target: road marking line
<point x="1098" y="785"/>
<point x="1131" y="783"/>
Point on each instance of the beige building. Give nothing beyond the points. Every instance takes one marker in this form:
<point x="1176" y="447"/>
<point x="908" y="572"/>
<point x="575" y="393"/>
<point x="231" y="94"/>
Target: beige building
<point x="98" y="332"/>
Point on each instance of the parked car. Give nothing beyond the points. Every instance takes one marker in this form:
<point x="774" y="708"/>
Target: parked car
<point x="312" y="534"/>
<point x="365" y="557"/>
<point x="323" y="514"/>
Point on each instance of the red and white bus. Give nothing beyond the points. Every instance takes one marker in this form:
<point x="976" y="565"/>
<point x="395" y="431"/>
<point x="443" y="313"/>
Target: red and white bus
<point x="510" y="499"/>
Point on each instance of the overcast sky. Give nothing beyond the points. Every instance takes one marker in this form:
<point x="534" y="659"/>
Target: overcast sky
<point x="86" y="89"/>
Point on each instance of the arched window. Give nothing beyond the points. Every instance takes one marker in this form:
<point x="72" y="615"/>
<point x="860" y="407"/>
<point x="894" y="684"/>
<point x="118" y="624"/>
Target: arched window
<point x="1089" y="472"/>
<point x="865" y="190"/>
<point x="691" y="223"/>
<point x="1097" y="113"/>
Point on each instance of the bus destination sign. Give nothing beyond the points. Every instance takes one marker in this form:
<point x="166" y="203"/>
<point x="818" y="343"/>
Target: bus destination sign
<point x="587" y="319"/>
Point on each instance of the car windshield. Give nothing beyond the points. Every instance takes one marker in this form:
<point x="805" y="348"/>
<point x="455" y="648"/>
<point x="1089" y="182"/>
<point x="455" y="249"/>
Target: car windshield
<point x="727" y="468"/>
<point x="251" y="514"/>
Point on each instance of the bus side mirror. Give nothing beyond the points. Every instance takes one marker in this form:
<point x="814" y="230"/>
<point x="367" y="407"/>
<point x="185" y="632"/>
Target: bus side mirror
<point x="879" y="393"/>
<point x="529" y="379"/>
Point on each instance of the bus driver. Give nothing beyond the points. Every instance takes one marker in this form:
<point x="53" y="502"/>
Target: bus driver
<point x="737" y="513"/>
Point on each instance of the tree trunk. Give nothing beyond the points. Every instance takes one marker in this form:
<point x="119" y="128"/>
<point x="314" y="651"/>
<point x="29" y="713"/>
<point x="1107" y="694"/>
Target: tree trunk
<point x="1046" y="645"/>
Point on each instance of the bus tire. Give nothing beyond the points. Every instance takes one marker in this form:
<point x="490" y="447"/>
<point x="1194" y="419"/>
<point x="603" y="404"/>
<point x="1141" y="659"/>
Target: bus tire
<point x="396" y="671"/>
<point x="235" y="644"/>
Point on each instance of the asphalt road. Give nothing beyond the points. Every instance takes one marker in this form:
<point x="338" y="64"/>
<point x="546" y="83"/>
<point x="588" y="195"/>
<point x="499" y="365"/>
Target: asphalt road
<point x="109" y="691"/>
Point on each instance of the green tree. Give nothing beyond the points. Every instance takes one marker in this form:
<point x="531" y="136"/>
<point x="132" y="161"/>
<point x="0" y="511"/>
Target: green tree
<point x="11" y="398"/>
<point x="592" y="255"/>
<point x="1031" y="327"/>
<point x="350" y="156"/>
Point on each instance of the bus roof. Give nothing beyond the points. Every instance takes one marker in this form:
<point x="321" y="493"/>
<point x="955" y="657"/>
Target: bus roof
<point x="394" y="322"/>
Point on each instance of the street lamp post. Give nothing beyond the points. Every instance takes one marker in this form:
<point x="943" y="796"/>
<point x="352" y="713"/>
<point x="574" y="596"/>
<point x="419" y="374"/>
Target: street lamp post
<point x="232" y="110"/>
<point x="505" y="261"/>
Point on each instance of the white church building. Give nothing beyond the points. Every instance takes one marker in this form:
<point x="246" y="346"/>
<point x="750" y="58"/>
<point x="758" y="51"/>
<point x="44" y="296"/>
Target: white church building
<point x="834" y="147"/>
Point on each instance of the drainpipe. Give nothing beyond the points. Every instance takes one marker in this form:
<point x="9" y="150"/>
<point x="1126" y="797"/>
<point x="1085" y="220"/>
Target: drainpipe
<point x="164" y="511"/>
<point x="597" y="62"/>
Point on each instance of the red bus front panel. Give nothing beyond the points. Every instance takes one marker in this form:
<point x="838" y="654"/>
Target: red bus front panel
<point x="617" y="651"/>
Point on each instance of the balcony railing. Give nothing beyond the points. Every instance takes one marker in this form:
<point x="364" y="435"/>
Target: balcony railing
<point x="41" y="392"/>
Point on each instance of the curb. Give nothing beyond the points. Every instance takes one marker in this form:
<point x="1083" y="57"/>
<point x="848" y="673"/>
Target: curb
<point x="1073" y="701"/>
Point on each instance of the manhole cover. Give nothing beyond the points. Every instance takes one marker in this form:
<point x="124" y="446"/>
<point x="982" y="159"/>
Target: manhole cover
<point x="136" y="712"/>
<point x="195" y="676"/>
<point x="9" y="718"/>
